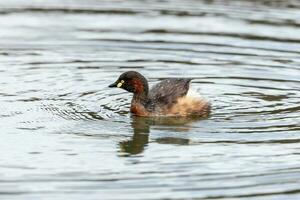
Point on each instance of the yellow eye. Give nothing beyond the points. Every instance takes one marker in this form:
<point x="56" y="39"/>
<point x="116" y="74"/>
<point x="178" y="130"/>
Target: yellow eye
<point x="120" y="83"/>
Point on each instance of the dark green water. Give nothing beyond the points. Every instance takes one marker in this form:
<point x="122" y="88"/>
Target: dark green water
<point x="65" y="135"/>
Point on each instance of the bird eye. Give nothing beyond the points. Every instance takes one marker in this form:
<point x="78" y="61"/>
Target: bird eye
<point x="120" y="83"/>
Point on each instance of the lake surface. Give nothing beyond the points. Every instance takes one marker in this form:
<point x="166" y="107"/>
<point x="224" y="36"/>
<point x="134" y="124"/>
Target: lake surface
<point x="65" y="135"/>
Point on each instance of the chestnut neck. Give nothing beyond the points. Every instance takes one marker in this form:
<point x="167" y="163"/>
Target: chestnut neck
<point x="141" y="89"/>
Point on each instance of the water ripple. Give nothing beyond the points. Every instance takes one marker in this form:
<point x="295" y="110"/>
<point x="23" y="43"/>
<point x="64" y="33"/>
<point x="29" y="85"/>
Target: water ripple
<point x="67" y="135"/>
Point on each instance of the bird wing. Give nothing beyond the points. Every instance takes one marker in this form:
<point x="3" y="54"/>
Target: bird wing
<point x="168" y="91"/>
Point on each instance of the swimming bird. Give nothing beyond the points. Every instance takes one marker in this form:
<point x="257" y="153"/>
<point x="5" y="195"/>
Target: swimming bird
<point x="167" y="98"/>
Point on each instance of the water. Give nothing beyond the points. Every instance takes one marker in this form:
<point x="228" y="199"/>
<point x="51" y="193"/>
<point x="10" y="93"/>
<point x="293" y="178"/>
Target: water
<point x="66" y="135"/>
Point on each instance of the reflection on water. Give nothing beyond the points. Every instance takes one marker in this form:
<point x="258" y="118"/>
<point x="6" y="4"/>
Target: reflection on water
<point x="139" y="139"/>
<point x="141" y="130"/>
<point x="66" y="135"/>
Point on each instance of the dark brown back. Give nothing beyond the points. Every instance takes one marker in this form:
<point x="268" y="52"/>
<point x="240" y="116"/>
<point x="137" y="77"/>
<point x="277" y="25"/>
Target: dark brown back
<point x="166" y="92"/>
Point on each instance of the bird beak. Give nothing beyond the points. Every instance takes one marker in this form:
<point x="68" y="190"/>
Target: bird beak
<point x="118" y="84"/>
<point x="113" y="85"/>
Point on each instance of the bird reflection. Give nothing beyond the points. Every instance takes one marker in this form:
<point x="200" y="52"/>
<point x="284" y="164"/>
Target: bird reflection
<point x="140" y="138"/>
<point x="141" y="129"/>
